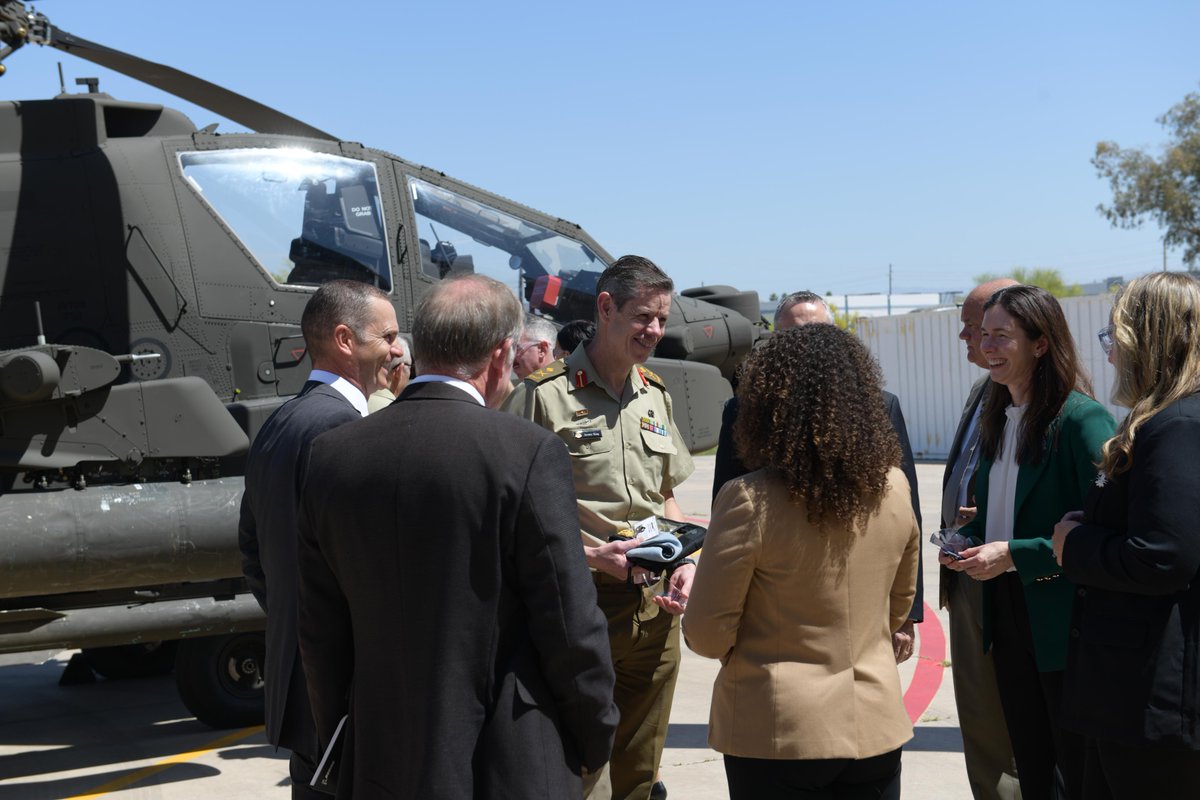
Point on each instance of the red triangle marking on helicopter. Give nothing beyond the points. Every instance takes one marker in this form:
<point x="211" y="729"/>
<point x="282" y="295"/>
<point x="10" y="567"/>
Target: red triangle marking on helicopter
<point x="298" y="353"/>
<point x="708" y="331"/>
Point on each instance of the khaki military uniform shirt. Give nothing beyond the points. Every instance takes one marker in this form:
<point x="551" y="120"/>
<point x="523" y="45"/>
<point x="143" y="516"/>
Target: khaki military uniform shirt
<point x="380" y="400"/>
<point x="625" y="452"/>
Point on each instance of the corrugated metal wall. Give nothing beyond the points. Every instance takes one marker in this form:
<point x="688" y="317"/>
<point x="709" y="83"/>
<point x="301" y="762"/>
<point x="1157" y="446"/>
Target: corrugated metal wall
<point x="925" y="365"/>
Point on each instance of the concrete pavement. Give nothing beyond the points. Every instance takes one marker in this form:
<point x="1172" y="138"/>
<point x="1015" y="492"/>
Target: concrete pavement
<point x="134" y="739"/>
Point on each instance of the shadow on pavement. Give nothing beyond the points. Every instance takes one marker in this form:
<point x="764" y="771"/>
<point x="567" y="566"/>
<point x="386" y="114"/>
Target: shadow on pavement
<point x="85" y="784"/>
<point x="244" y="753"/>
<point x="935" y="739"/>
<point x="47" y="730"/>
<point x="687" y="735"/>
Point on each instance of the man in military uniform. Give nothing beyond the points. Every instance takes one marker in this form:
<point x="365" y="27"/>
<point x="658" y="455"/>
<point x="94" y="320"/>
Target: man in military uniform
<point x="536" y="348"/>
<point x="627" y="457"/>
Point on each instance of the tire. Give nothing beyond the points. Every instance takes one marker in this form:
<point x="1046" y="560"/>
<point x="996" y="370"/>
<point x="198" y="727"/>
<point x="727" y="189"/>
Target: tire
<point x="131" y="660"/>
<point x="219" y="679"/>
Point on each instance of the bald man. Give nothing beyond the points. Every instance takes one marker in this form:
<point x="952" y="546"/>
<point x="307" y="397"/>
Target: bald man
<point x="986" y="748"/>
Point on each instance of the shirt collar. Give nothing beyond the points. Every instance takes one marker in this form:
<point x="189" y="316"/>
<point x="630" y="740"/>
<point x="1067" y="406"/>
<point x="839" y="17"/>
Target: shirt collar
<point x="461" y="384"/>
<point x="344" y="387"/>
<point x="581" y="371"/>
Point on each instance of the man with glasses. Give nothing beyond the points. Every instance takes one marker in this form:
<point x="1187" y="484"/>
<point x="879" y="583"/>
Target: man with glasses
<point x="627" y="457"/>
<point x="991" y="770"/>
<point x="536" y="348"/>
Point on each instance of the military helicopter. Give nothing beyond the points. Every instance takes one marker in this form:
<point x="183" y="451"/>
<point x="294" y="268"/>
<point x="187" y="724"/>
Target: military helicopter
<point x="152" y="277"/>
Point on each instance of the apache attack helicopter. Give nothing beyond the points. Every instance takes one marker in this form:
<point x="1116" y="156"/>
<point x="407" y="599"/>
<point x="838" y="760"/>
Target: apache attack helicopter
<point x="152" y="277"/>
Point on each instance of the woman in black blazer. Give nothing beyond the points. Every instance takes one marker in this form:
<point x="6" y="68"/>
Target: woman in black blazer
<point x="1133" y="666"/>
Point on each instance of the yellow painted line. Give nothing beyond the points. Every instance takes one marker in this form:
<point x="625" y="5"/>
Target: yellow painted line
<point x="134" y="777"/>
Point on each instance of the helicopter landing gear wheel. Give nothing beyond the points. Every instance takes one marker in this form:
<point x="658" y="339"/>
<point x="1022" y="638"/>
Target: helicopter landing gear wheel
<point x="219" y="678"/>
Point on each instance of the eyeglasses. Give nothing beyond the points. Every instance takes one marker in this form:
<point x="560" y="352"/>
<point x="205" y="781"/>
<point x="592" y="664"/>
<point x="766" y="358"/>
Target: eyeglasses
<point x="521" y="348"/>
<point x="1106" y="339"/>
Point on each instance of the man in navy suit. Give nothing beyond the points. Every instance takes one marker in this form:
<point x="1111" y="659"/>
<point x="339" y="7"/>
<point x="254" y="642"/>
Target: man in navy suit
<point x="352" y="338"/>
<point x="445" y="601"/>
<point x="804" y="308"/>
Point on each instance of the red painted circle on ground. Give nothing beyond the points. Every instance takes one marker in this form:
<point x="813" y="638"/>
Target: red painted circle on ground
<point x="930" y="666"/>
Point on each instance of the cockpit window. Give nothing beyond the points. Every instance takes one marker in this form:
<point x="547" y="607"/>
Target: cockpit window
<point x="306" y="217"/>
<point x="555" y="274"/>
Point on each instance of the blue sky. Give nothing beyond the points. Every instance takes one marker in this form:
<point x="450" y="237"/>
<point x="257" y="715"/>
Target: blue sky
<point x="774" y="146"/>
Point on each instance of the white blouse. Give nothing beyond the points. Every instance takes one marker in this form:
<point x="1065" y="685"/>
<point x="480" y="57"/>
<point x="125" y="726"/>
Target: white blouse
<point x="1002" y="481"/>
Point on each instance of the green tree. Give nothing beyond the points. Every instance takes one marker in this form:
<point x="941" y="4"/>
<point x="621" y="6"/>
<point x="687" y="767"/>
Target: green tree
<point x="1166" y="189"/>
<point x="1049" y="279"/>
<point x="842" y="319"/>
<point x="773" y="298"/>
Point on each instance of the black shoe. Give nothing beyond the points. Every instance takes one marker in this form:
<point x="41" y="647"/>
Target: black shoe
<point x="658" y="791"/>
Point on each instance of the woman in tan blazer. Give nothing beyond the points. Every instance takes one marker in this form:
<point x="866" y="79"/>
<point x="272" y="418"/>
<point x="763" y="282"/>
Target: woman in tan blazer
<point x="809" y="566"/>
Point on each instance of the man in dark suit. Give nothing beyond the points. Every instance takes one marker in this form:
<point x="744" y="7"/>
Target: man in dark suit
<point x="351" y="336"/>
<point x="991" y="770"/>
<point x="804" y="308"/>
<point x="445" y="602"/>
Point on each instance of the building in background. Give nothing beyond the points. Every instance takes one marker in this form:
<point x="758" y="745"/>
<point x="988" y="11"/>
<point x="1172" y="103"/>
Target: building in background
<point x="923" y="365"/>
<point x="876" y="304"/>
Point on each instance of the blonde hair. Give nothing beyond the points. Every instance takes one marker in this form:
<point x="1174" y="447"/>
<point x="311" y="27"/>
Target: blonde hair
<point x="1156" y="323"/>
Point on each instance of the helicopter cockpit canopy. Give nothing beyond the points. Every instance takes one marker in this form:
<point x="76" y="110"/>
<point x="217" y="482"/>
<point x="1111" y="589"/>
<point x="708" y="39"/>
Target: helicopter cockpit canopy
<point x="556" y="274"/>
<point x="306" y="217"/>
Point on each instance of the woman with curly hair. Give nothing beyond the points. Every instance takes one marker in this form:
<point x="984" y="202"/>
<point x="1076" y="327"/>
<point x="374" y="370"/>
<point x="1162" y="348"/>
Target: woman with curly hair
<point x="1040" y="438"/>
<point x="1133" y="665"/>
<point x="809" y="567"/>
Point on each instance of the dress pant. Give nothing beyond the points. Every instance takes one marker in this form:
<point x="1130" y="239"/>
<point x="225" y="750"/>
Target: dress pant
<point x="1128" y="772"/>
<point x="645" y="649"/>
<point x="991" y="771"/>
<point x="875" y="778"/>
<point x="302" y="768"/>
<point x="1050" y="760"/>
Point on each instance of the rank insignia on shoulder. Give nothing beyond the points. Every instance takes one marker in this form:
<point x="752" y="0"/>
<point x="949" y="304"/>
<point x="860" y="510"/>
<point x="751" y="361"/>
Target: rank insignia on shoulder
<point x="547" y="372"/>
<point x="652" y="377"/>
<point x="589" y="434"/>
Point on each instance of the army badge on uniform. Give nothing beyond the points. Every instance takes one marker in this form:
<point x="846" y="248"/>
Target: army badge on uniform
<point x="653" y="426"/>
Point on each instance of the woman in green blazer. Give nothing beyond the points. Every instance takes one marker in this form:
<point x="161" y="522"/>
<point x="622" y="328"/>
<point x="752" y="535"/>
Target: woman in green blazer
<point x="1041" y="435"/>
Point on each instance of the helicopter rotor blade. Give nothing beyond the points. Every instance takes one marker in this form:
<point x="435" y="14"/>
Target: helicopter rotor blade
<point x="216" y="99"/>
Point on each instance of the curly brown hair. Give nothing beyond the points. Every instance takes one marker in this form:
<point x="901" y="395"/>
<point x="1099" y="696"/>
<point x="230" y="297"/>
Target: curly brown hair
<point x="810" y="408"/>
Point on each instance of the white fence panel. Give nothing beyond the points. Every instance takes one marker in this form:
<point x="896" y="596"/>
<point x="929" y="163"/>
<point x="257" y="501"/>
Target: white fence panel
<point x="925" y="365"/>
